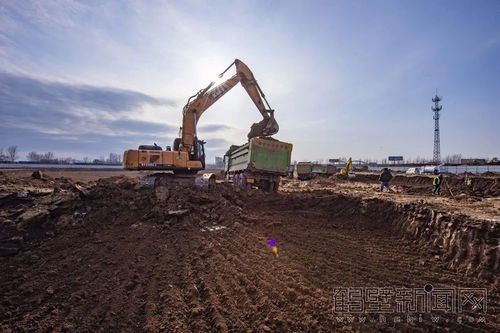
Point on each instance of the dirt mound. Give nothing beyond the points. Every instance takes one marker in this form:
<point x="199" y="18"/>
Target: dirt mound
<point x="490" y="174"/>
<point x="38" y="207"/>
<point x="117" y="256"/>
<point x="481" y="187"/>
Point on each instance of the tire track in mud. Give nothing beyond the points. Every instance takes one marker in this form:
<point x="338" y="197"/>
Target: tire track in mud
<point x="227" y="258"/>
<point x="236" y="286"/>
<point x="255" y="282"/>
<point x="267" y="274"/>
<point x="274" y="279"/>
<point x="388" y="253"/>
<point x="165" y="308"/>
<point x="370" y="260"/>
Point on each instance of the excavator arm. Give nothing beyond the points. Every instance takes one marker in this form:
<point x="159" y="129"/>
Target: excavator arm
<point x="200" y="102"/>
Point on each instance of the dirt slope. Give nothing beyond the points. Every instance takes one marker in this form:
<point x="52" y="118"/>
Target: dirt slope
<point x="144" y="259"/>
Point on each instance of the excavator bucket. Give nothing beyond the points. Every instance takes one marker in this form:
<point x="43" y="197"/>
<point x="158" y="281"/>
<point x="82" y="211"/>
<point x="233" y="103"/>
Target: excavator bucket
<point x="206" y="180"/>
<point x="266" y="127"/>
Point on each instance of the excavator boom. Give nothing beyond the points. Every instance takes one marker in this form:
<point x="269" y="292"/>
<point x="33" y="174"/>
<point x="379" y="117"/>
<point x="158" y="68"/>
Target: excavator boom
<point x="200" y="102"/>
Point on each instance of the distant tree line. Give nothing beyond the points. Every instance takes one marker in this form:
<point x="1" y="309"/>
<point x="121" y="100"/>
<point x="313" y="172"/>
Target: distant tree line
<point x="49" y="157"/>
<point x="449" y="159"/>
<point x="11" y="154"/>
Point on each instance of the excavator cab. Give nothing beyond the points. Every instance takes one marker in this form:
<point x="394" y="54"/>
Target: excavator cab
<point x="177" y="144"/>
<point x="198" y="152"/>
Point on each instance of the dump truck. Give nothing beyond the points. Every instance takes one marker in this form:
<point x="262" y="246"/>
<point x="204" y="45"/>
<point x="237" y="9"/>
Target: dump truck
<point x="323" y="170"/>
<point x="259" y="163"/>
<point x="304" y="170"/>
<point x="308" y="170"/>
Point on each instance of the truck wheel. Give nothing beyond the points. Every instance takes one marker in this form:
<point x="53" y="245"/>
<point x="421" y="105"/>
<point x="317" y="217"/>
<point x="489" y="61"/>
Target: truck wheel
<point x="276" y="185"/>
<point x="269" y="186"/>
<point x="240" y="180"/>
<point x="243" y="180"/>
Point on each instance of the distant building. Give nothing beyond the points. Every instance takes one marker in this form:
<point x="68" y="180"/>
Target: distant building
<point x="219" y="162"/>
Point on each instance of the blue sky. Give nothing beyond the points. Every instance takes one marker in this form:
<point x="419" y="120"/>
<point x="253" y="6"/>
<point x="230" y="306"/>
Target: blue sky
<point x="347" y="78"/>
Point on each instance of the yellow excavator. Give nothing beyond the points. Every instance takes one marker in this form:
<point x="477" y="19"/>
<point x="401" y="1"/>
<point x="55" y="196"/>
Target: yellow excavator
<point x="187" y="156"/>
<point x="348" y="167"/>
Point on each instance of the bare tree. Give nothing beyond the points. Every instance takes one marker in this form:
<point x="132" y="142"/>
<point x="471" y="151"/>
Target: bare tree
<point x="48" y="157"/>
<point x="3" y="157"/>
<point x="33" y="156"/>
<point x="66" y="160"/>
<point x="12" y="153"/>
<point x="114" y="158"/>
<point x="86" y="160"/>
<point x="455" y="158"/>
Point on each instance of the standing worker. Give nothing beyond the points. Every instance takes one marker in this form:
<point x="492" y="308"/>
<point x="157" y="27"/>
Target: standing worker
<point x="468" y="180"/>
<point x="436" y="183"/>
<point x="385" y="178"/>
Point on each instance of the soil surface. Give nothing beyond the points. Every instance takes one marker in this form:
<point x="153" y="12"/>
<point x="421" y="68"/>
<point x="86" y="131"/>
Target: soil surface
<point x="112" y="255"/>
<point x="481" y="199"/>
<point x="83" y="175"/>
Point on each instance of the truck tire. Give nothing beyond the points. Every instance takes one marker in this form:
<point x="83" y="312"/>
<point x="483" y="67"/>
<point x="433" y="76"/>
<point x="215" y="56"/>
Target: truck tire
<point x="237" y="180"/>
<point x="268" y="186"/>
<point x="243" y="180"/>
<point x="276" y="185"/>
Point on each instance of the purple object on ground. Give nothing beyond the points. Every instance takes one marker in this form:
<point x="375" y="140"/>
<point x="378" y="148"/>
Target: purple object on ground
<point x="271" y="242"/>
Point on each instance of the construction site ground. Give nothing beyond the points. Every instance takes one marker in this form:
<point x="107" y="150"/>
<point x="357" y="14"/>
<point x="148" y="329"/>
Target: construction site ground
<point x="85" y="250"/>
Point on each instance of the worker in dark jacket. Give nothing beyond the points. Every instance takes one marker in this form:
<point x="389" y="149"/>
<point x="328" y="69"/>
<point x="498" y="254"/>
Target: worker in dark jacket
<point x="436" y="183"/>
<point x="385" y="178"/>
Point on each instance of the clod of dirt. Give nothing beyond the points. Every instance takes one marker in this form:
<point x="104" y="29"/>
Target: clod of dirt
<point x="80" y="189"/>
<point x="37" y="174"/>
<point x="31" y="217"/>
<point x="177" y="212"/>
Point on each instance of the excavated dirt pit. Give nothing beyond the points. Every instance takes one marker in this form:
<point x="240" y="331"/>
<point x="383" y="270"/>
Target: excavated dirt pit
<point x="114" y="256"/>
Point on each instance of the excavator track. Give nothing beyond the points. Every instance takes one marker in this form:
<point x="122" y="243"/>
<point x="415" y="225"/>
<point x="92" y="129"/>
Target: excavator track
<point x="164" y="178"/>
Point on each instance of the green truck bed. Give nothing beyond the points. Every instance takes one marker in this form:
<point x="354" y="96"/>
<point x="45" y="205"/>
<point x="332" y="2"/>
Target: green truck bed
<point x="318" y="168"/>
<point x="262" y="155"/>
<point x="304" y="168"/>
<point x="308" y="170"/>
<point x="323" y="169"/>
